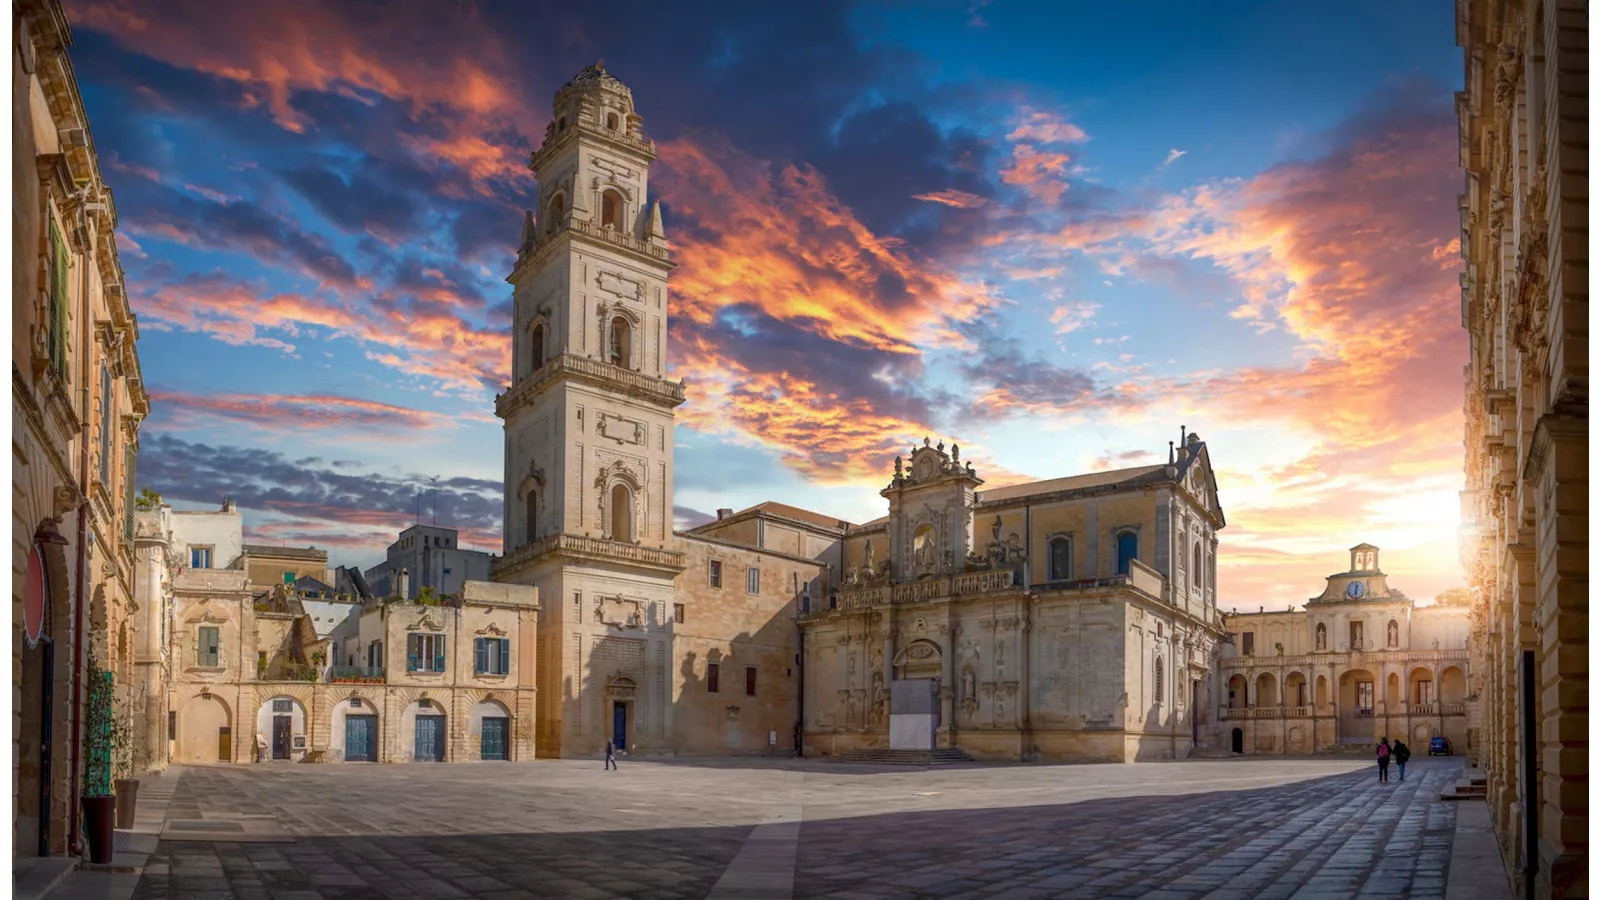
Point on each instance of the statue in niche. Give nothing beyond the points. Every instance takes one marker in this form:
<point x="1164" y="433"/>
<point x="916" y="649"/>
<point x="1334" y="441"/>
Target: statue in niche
<point x="877" y="692"/>
<point x="871" y="557"/>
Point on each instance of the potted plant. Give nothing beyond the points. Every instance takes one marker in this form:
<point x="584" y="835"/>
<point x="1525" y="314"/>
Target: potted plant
<point x="105" y="742"/>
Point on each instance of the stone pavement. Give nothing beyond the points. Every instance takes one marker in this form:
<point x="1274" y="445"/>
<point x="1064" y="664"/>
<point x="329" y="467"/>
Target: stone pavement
<point x="1308" y="829"/>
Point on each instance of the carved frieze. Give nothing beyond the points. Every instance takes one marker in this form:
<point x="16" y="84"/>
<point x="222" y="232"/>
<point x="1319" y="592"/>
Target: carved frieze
<point x="621" y="429"/>
<point x="618" y="285"/>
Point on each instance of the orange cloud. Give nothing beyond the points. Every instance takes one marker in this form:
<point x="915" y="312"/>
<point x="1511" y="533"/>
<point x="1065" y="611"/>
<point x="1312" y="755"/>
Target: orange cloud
<point x="291" y="411"/>
<point x="1041" y="174"/>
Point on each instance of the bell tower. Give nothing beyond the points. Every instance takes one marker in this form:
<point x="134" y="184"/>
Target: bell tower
<point x="589" y="414"/>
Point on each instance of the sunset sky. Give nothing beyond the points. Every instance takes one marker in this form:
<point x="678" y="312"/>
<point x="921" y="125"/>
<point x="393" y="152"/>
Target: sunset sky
<point x="1049" y="232"/>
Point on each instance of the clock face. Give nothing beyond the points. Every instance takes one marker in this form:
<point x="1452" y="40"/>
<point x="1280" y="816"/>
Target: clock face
<point x="1355" y="590"/>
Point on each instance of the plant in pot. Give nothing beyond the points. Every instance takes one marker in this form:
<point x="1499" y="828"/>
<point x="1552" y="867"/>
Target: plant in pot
<point x="105" y="742"/>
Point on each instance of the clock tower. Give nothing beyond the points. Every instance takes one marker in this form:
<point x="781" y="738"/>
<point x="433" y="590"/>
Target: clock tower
<point x="589" y="419"/>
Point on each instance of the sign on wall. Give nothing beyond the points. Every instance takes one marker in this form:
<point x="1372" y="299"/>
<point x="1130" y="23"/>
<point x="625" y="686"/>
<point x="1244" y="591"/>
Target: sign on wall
<point x="33" y="597"/>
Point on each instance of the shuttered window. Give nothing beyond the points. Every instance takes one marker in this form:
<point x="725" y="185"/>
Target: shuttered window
<point x="105" y="426"/>
<point x="425" y="653"/>
<point x="128" y="499"/>
<point x="711" y="677"/>
<point x="208" y="642"/>
<point x="491" y="656"/>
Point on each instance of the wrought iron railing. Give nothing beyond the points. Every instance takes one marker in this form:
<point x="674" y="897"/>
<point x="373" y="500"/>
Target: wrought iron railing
<point x="356" y="674"/>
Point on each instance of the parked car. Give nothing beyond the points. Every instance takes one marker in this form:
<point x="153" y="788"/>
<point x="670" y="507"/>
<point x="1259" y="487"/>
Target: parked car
<point x="1439" y="746"/>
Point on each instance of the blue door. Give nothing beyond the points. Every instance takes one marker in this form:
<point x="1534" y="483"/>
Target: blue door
<point x="619" y="725"/>
<point x="494" y="737"/>
<point x="430" y="739"/>
<point x="361" y="738"/>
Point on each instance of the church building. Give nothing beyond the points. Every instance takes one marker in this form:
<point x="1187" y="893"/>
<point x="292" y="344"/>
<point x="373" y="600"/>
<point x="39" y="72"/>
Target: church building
<point x="1073" y="618"/>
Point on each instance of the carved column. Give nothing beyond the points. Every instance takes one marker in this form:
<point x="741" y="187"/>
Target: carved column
<point x="889" y="632"/>
<point x="947" y="687"/>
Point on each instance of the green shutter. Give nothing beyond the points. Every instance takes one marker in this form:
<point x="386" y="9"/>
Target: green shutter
<point x="480" y="655"/>
<point x="105" y="425"/>
<point x="58" y="301"/>
<point x="128" y="499"/>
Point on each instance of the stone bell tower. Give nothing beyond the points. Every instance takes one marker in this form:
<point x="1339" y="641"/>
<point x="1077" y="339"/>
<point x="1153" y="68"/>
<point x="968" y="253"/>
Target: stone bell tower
<point x="589" y="415"/>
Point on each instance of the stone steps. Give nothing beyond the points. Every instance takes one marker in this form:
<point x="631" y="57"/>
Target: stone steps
<point x="943" y="756"/>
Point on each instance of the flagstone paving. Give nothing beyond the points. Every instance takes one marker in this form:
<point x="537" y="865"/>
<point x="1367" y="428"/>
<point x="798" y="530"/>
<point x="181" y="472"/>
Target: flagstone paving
<point x="1307" y="829"/>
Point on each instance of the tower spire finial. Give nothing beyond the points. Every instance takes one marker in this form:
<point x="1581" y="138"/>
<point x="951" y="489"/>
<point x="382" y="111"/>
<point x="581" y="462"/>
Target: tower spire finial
<point x="1170" y="458"/>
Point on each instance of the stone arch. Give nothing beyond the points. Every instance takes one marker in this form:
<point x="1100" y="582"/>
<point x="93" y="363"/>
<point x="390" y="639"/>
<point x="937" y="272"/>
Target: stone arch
<point x="424" y="707"/>
<point x="1237" y="742"/>
<point x="621" y="502"/>
<point x="1127" y="544"/>
<point x="611" y="476"/>
<point x="556" y="209"/>
<point x="273" y="706"/>
<point x="611" y="121"/>
<point x="919" y="659"/>
<point x="619" y="341"/>
<point x="1452" y="685"/>
<point x="1421" y="687"/>
<point x="204" y="730"/>
<point x="1296" y="692"/>
<point x="347" y="703"/>
<point x="1322" y="692"/>
<point x="611" y="208"/>
<point x="1060" y="557"/>
<point x="538" y="336"/>
<point x="488" y="707"/>
<point x="1238" y="691"/>
<point x="1266" y="689"/>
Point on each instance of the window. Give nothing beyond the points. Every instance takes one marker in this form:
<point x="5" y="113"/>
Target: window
<point x="1158" y="679"/>
<point x="105" y="425"/>
<point x="1356" y="634"/>
<point x="621" y="514"/>
<point x="209" y="639"/>
<point x="532" y="513"/>
<point x="716" y="573"/>
<point x="199" y="557"/>
<point x="677" y="613"/>
<point x="56" y="276"/>
<point x="282" y="705"/>
<point x="712" y="670"/>
<point x="621" y="343"/>
<point x="610" y="210"/>
<point x="611" y="121"/>
<point x="536" y="346"/>
<point x="577" y="606"/>
<point x="1249" y="643"/>
<point x="1424" y="692"/>
<point x="172" y="724"/>
<point x="749" y="681"/>
<point x="558" y="207"/>
<point x="288" y="578"/>
<point x="561" y="124"/>
<point x="1199" y="568"/>
<point x="1364" y="697"/>
<point x="752" y="580"/>
<point x="1060" y="559"/>
<point x="1127" y="551"/>
<point x="375" y="657"/>
<point x="425" y="653"/>
<point x="491" y="656"/>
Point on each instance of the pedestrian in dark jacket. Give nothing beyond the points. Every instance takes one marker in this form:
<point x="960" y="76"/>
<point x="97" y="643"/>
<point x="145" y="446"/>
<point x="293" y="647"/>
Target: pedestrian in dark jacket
<point x="1401" y="754"/>
<point x="1384" y="755"/>
<point x="611" y="756"/>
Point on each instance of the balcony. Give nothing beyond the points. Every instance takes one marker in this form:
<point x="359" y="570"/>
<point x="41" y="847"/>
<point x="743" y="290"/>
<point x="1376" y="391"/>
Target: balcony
<point x="658" y="391"/>
<point x="356" y="675"/>
<point x="580" y="547"/>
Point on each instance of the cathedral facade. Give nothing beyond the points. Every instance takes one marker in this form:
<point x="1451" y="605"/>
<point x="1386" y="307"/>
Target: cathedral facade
<point x="1074" y="618"/>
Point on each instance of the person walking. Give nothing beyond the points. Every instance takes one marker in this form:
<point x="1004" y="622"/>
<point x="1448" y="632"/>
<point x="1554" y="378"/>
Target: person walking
<point x="1401" y="754"/>
<point x="611" y="756"/>
<point x="1384" y="754"/>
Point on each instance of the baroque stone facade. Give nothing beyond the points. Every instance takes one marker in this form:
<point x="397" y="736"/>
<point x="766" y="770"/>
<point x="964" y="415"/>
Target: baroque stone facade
<point x="1525" y="304"/>
<point x="1361" y="662"/>
<point x="77" y="400"/>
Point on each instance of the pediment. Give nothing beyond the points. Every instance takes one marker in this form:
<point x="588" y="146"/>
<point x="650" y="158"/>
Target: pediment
<point x="493" y="629"/>
<point x="918" y="653"/>
<point x="1201" y="483"/>
<point x="425" y="623"/>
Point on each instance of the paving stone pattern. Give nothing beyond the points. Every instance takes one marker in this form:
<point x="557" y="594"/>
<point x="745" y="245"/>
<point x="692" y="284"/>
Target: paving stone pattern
<point x="1224" y="829"/>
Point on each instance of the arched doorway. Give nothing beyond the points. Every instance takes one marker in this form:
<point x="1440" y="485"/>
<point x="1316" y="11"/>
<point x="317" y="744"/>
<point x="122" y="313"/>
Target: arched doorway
<point x="355" y="736"/>
<point x="1294" y="690"/>
<point x="621" y="514"/>
<point x="281" y="728"/>
<point x="1266" y="690"/>
<point x="1238" y="740"/>
<point x="424" y="723"/>
<point x="490" y="723"/>
<point x="204" y="732"/>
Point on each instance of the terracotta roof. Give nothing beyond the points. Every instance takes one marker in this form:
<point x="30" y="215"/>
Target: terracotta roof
<point x="268" y="552"/>
<point x="1072" y="483"/>
<point x="773" y="508"/>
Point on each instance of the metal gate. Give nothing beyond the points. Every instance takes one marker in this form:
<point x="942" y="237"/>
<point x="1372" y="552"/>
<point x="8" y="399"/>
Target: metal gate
<point x="495" y="731"/>
<point x="361" y="738"/>
<point x="430" y="739"/>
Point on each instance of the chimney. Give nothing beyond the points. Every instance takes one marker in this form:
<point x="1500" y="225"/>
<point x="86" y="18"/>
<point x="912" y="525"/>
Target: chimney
<point x="401" y="583"/>
<point x="723" y="514"/>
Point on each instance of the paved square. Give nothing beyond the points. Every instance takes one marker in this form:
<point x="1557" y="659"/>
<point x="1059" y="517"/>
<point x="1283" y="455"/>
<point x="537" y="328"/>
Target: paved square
<point x="1257" y="827"/>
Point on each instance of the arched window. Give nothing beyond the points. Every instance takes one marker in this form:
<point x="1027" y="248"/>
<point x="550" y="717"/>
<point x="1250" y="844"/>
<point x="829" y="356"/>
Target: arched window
<point x="621" y="343"/>
<point x="1158" y="680"/>
<point x="610" y="210"/>
<point x="611" y="121"/>
<point x="1060" y="559"/>
<point x="1127" y="551"/>
<point x="561" y="124"/>
<point x="532" y="513"/>
<point x="536" y="345"/>
<point x="558" y="207"/>
<point x="622" y="514"/>
<point x="1199" y="569"/>
<point x="1322" y="636"/>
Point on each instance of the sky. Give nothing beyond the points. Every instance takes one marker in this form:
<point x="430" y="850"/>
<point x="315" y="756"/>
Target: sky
<point x="1050" y="232"/>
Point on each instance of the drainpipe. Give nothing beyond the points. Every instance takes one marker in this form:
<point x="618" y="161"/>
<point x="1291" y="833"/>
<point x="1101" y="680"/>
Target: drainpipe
<point x="74" y="843"/>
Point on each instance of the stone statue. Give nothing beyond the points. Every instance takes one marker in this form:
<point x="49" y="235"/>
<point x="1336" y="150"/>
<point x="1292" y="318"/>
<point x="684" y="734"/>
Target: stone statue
<point x="995" y="529"/>
<point x="871" y="559"/>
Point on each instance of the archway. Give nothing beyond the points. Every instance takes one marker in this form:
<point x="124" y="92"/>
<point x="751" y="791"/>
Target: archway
<point x="924" y="549"/>
<point x="281" y="729"/>
<point x="355" y="735"/>
<point x="1238" y="740"/>
<point x="1266" y="690"/>
<point x="610" y="209"/>
<point x="536" y="349"/>
<point x="1357" y="705"/>
<point x="1452" y="686"/>
<point x="621" y="349"/>
<point x="1391" y="693"/>
<point x="1295" y="692"/>
<point x="1322" y="692"/>
<point x="1238" y="692"/>
<point x="489" y="727"/>
<point x="531" y="513"/>
<point x="558" y="209"/>
<point x="204" y="732"/>
<point x="1421" y="692"/>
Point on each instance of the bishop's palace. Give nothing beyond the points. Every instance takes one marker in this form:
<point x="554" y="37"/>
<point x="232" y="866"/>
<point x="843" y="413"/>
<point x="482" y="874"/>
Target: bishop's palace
<point x="1068" y="619"/>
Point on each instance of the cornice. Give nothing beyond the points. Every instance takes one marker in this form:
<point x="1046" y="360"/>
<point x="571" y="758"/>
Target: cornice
<point x="647" y="388"/>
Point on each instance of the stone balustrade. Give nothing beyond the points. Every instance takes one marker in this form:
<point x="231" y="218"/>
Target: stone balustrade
<point x="637" y="383"/>
<point x="584" y="547"/>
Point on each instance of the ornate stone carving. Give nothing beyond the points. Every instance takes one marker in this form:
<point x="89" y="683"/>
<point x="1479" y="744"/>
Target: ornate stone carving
<point x="618" y="285"/>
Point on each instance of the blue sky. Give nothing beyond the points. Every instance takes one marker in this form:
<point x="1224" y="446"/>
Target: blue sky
<point x="1051" y="232"/>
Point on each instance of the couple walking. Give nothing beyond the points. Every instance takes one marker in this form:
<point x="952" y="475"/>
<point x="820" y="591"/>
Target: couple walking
<point x="1398" y="754"/>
